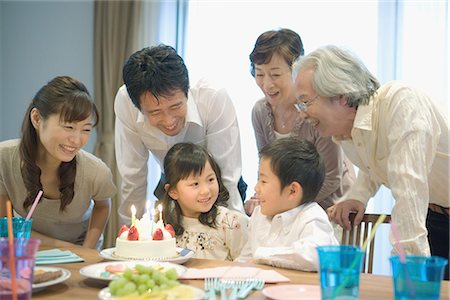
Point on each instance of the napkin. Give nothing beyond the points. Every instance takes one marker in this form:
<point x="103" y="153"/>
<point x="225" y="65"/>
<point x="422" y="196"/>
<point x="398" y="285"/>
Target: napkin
<point x="269" y="276"/>
<point x="56" y="256"/>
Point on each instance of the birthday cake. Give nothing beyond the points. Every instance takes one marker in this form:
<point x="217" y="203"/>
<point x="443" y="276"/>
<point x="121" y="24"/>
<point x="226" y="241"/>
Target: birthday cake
<point x="145" y="239"/>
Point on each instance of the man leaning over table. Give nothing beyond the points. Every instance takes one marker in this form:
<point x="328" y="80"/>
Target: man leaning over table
<point x="393" y="133"/>
<point x="156" y="109"/>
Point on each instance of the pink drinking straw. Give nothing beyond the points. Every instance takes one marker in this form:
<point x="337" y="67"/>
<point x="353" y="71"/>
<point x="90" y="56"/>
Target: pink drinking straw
<point x="402" y="257"/>
<point x="33" y="207"/>
<point x="12" y="255"/>
<point x="398" y="246"/>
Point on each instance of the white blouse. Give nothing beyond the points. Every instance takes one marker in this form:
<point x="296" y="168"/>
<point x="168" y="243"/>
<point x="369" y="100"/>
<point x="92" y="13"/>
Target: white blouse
<point x="224" y="242"/>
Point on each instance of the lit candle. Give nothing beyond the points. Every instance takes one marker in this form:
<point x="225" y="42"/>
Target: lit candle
<point x="133" y="215"/>
<point x="147" y="209"/>
<point x="152" y="220"/>
<point x="160" y="208"/>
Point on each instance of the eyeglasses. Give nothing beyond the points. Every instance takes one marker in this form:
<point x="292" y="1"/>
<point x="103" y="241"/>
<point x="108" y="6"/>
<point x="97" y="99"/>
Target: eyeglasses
<point x="303" y="106"/>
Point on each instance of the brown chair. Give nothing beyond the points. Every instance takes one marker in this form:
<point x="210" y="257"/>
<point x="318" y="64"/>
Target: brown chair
<point x="358" y="234"/>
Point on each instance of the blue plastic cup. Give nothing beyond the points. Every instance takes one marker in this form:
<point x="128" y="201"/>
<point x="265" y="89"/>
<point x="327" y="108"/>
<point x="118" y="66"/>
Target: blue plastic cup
<point x="340" y="269"/>
<point x="419" y="277"/>
<point x="21" y="227"/>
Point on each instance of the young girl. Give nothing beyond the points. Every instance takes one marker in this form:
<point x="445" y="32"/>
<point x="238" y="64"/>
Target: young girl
<point x="194" y="205"/>
<point x="48" y="157"/>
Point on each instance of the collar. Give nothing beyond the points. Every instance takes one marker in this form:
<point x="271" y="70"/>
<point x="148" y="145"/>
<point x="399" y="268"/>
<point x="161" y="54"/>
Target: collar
<point x="363" y="117"/>
<point x="192" y="114"/>
<point x="363" y="120"/>
<point x="289" y="217"/>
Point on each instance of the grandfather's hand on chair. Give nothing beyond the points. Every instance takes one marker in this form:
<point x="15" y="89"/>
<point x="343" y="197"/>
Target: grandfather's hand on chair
<point x="340" y="212"/>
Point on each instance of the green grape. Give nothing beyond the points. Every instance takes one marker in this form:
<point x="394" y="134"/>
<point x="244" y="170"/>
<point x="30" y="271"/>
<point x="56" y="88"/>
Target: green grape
<point x="159" y="278"/>
<point x="171" y="274"/>
<point x="142" y="288"/>
<point x="172" y="283"/>
<point x="135" y="278"/>
<point x="143" y="269"/>
<point x="150" y="283"/>
<point x="117" y="284"/>
<point x="128" y="274"/>
<point x="143" y="278"/>
<point x="129" y="288"/>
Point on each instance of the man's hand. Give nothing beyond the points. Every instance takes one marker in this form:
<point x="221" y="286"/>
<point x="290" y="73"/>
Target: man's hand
<point x="250" y="204"/>
<point x="340" y="212"/>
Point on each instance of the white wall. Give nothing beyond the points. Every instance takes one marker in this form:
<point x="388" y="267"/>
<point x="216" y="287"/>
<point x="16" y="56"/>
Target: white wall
<point x="41" y="40"/>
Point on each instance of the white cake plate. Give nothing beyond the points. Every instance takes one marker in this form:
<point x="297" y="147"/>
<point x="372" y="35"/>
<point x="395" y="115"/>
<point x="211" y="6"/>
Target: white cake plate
<point x="183" y="255"/>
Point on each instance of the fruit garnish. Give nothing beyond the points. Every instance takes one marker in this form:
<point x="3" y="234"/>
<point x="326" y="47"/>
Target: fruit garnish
<point x="158" y="235"/>
<point x="133" y="234"/>
<point x="122" y="230"/>
<point x="169" y="228"/>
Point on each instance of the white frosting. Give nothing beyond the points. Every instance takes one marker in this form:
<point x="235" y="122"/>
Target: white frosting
<point x="145" y="247"/>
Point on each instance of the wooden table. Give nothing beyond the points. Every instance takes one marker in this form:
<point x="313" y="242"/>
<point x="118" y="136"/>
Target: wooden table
<point x="79" y="287"/>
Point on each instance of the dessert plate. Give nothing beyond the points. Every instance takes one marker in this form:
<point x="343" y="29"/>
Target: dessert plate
<point x="197" y="293"/>
<point x="40" y="286"/>
<point x="183" y="256"/>
<point x="98" y="271"/>
<point x="292" y="291"/>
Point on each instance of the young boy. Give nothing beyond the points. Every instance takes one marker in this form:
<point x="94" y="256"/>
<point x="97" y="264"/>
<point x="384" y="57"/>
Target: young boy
<point x="286" y="228"/>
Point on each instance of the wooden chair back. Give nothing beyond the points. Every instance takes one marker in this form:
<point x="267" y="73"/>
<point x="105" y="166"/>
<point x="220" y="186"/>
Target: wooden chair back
<point x="358" y="234"/>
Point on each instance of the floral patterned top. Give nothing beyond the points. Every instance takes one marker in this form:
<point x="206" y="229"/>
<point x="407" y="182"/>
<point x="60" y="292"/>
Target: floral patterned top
<point x="224" y="242"/>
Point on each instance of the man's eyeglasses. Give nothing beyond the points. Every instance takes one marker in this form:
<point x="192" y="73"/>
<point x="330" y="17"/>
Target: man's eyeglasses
<point x="303" y="106"/>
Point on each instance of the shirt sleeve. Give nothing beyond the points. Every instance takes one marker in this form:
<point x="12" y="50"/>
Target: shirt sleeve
<point x="236" y="232"/>
<point x="258" y="125"/>
<point x="302" y="255"/>
<point x="246" y="252"/>
<point x="412" y="149"/>
<point x="103" y="185"/>
<point x="363" y="189"/>
<point x="223" y="142"/>
<point x="131" y="155"/>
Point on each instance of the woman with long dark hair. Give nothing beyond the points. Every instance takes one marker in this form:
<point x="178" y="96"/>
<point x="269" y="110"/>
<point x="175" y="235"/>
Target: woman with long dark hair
<point x="77" y="185"/>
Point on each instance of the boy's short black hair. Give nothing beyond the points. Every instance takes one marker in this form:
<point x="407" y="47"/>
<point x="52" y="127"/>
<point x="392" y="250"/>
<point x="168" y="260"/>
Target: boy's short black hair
<point x="295" y="159"/>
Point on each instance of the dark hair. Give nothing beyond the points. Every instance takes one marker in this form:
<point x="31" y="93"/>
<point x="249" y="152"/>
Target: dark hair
<point x="70" y="99"/>
<point x="296" y="159"/>
<point x="158" y="70"/>
<point x="284" y="41"/>
<point x="181" y="161"/>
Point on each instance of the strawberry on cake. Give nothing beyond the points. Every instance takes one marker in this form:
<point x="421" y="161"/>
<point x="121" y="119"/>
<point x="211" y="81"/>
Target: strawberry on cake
<point x="146" y="239"/>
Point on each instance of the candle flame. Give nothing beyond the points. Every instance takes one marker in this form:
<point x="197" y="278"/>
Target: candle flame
<point x="133" y="210"/>
<point x="160" y="208"/>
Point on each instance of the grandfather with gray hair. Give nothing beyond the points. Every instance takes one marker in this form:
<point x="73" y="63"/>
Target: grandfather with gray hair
<point x="393" y="133"/>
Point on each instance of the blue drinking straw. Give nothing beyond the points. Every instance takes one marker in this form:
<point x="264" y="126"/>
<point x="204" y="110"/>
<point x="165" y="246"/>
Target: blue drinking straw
<point x="355" y="261"/>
